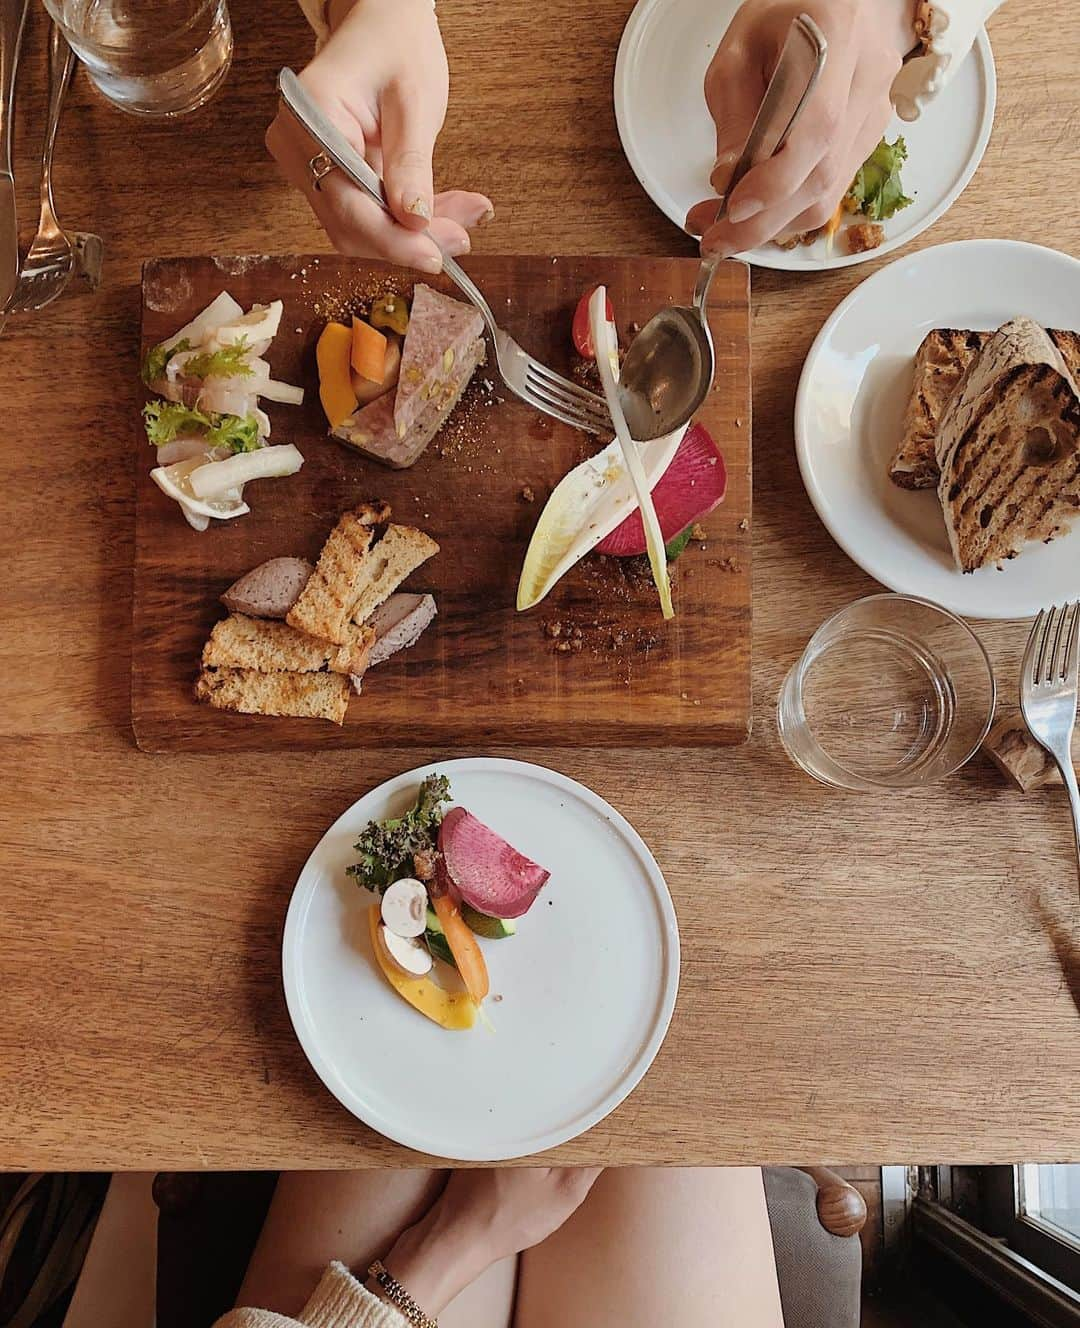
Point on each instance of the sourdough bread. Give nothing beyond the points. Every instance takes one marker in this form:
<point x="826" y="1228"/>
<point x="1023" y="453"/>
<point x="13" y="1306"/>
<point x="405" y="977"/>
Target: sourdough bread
<point x="1008" y="448"/>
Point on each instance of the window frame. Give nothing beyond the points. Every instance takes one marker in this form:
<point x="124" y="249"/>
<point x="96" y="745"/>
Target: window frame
<point x="1042" y="1244"/>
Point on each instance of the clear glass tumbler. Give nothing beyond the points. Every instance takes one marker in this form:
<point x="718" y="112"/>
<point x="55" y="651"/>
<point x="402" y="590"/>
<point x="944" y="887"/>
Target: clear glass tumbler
<point x="891" y="692"/>
<point x="150" y="57"/>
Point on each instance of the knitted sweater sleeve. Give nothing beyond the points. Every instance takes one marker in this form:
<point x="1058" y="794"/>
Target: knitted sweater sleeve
<point x="339" y="1301"/>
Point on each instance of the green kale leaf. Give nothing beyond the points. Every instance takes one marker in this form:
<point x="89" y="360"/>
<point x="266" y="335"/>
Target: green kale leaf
<point x="228" y="362"/>
<point x="166" y="420"/>
<point x="157" y="357"/>
<point x="386" y="848"/>
<point x="877" y="190"/>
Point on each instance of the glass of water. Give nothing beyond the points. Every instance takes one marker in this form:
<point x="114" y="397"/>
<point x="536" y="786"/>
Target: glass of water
<point x="891" y="692"/>
<point x="150" y="57"/>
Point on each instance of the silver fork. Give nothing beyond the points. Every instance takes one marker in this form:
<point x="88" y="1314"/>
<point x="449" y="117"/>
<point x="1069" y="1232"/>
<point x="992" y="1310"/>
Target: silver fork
<point x="1048" y="692"/>
<point x="54" y="255"/>
<point x="522" y="373"/>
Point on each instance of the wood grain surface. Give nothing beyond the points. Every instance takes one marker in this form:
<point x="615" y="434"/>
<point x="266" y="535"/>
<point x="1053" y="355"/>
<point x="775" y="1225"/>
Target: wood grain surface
<point x="482" y="672"/>
<point x="892" y="977"/>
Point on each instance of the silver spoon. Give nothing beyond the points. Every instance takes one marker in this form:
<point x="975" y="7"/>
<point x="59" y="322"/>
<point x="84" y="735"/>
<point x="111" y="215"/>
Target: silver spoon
<point x="669" y="366"/>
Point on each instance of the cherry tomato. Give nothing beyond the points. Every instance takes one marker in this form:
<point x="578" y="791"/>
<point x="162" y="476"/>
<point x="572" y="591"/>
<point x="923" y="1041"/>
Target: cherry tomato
<point x="581" y="332"/>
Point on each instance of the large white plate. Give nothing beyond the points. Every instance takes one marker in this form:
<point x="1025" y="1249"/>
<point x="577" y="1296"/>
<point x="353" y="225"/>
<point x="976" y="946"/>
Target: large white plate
<point x="588" y="984"/>
<point x="669" y="139"/>
<point x="850" y="404"/>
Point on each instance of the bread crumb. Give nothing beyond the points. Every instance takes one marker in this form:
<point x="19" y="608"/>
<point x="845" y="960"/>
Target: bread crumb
<point x="527" y="495"/>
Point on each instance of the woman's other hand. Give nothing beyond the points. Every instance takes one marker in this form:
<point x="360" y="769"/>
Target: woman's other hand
<point x="800" y="188"/>
<point x="382" y="79"/>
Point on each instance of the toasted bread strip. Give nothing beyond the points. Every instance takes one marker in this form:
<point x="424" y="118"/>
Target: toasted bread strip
<point x="303" y="695"/>
<point x="400" y="551"/>
<point x="240" y="642"/>
<point x="326" y="603"/>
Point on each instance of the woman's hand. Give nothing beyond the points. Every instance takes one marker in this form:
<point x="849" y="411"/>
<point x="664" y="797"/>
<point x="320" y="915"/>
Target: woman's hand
<point x="480" y="1218"/>
<point x="799" y="189"/>
<point x="382" y="79"/>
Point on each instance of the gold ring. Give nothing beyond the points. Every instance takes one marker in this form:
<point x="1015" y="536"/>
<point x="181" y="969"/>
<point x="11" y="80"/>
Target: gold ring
<point x="320" y="167"/>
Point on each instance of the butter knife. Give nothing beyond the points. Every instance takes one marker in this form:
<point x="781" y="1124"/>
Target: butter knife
<point x="12" y="22"/>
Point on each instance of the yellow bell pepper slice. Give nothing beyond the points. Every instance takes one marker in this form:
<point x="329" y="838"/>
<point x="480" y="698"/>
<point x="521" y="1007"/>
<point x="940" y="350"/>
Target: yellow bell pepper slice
<point x="333" y="353"/>
<point x="449" y="1009"/>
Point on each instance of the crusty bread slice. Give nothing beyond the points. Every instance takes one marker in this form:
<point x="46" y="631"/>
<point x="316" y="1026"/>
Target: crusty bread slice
<point x="1008" y="448"/>
<point x="940" y="362"/>
<point x="325" y="605"/>
<point x="241" y="642"/>
<point x="304" y="695"/>
<point x="400" y="551"/>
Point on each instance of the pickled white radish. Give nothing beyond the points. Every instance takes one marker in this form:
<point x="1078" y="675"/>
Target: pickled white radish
<point x="221" y="310"/>
<point x="175" y="482"/>
<point x="411" y="956"/>
<point x="266" y="463"/>
<point x="286" y="393"/>
<point x="260" y="323"/>
<point x="404" y="907"/>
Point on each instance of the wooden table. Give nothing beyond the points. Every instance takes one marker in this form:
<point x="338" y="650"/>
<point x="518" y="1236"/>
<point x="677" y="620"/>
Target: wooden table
<point x="893" y="978"/>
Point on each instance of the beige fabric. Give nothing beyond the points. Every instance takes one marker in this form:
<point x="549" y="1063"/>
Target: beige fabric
<point x="339" y="1301"/>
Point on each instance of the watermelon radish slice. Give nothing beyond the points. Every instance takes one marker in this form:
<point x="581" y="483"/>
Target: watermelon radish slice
<point x="484" y="870"/>
<point x="689" y="489"/>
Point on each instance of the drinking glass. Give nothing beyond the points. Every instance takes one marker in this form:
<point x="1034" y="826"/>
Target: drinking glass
<point x="891" y="692"/>
<point x="150" y="57"/>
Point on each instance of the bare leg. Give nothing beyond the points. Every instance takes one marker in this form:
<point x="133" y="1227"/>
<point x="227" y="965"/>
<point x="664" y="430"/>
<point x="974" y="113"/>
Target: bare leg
<point x="690" y="1246"/>
<point x="355" y="1216"/>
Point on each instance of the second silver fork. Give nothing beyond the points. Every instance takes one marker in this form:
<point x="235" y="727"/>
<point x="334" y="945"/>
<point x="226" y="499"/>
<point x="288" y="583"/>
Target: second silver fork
<point x="54" y="255"/>
<point x="1048" y="692"/>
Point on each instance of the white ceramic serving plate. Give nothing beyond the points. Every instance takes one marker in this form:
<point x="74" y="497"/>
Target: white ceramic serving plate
<point x="669" y="139"/>
<point x="588" y="984"/>
<point x="850" y="404"/>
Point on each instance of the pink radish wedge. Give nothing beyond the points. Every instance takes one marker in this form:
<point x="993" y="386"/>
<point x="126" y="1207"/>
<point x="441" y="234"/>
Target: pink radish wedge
<point x="689" y="489"/>
<point x="484" y="870"/>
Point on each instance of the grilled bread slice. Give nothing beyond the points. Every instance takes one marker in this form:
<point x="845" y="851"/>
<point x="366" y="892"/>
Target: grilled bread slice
<point x="1008" y="448"/>
<point x="324" y="607"/>
<point x="241" y="642"/>
<point x="940" y="362"/>
<point x="387" y="563"/>
<point x="304" y="695"/>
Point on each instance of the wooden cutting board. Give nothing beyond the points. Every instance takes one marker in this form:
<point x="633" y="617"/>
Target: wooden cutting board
<point x="482" y="673"/>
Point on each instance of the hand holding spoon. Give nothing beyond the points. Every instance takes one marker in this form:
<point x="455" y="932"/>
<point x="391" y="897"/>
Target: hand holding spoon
<point x="669" y="366"/>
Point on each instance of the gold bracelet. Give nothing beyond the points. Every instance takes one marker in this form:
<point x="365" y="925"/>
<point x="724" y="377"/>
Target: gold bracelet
<point x="396" y="1294"/>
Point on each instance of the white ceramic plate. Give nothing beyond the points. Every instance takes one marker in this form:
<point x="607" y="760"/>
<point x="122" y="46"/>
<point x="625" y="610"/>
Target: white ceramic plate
<point x="669" y="139"/>
<point x="588" y="984"/>
<point x="850" y="404"/>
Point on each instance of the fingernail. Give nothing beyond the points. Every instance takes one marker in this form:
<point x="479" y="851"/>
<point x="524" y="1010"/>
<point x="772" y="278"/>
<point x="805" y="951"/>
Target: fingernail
<point x="418" y="207"/>
<point x="432" y="265"/>
<point x="487" y="218"/>
<point x="717" y="251"/>
<point x="743" y="210"/>
<point x="724" y="159"/>
<point x="458" y="246"/>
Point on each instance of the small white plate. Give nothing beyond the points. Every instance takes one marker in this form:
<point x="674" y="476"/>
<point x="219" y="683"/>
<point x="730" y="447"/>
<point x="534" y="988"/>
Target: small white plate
<point x="588" y="984"/>
<point x="669" y="139"/>
<point x="849" y="410"/>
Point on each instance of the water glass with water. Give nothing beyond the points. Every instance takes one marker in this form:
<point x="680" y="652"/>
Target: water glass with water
<point x="150" y="57"/>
